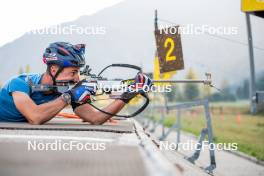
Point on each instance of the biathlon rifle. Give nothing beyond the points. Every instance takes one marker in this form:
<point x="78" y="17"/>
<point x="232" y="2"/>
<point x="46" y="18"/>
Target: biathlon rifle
<point x="94" y="80"/>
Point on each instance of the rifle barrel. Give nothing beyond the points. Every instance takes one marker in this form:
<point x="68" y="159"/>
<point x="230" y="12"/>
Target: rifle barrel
<point x="184" y="81"/>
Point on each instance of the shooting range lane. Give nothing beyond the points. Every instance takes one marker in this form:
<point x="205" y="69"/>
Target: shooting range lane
<point x="115" y="160"/>
<point x="126" y="153"/>
<point x="128" y="150"/>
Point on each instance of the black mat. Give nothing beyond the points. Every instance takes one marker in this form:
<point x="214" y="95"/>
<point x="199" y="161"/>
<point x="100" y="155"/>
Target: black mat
<point x="122" y="126"/>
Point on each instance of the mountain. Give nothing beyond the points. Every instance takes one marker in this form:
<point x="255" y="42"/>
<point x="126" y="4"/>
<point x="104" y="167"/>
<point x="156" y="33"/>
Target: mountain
<point x="125" y="34"/>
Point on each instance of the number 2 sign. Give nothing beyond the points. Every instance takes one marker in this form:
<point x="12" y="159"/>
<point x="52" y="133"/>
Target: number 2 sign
<point x="169" y="49"/>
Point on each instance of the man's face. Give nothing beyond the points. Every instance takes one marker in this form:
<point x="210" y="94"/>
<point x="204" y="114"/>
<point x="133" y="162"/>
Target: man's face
<point x="68" y="74"/>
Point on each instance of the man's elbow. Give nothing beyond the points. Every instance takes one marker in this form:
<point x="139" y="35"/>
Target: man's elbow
<point x="95" y="120"/>
<point x="34" y="120"/>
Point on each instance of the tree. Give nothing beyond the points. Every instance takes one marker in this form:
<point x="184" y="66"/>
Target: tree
<point x="226" y="93"/>
<point x="206" y="91"/>
<point x="260" y="82"/>
<point x="174" y="95"/>
<point x="260" y="87"/>
<point x="191" y="91"/>
<point x="225" y="86"/>
<point x="171" y="96"/>
<point x="242" y="91"/>
<point x="20" y="71"/>
<point x="27" y="68"/>
<point x="245" y="89"/>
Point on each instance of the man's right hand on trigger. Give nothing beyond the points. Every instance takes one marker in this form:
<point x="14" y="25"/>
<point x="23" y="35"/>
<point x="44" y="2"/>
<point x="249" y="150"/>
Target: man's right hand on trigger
<point x="81" y="93"/>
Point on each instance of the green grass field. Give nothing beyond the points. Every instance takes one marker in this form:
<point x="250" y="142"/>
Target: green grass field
<point x="231" y="124"/>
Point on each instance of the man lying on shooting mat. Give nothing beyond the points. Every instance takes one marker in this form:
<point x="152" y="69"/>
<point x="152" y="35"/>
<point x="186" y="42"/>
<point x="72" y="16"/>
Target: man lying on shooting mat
<point x="18" y="103"/>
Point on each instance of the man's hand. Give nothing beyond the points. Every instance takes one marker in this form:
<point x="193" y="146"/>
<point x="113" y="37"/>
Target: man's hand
<point x="81" y="93"/>
<point x="141" y="84"/>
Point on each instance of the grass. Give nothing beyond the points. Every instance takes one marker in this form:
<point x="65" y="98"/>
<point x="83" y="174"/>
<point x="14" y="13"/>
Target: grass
<point x="232" y="124"/>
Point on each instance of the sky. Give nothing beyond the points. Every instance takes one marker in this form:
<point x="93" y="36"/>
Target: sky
<point x="18" y="17"/>
<point x="203" y="52"/>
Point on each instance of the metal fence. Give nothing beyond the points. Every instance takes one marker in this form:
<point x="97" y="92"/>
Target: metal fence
<point x="151" y="124"/>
